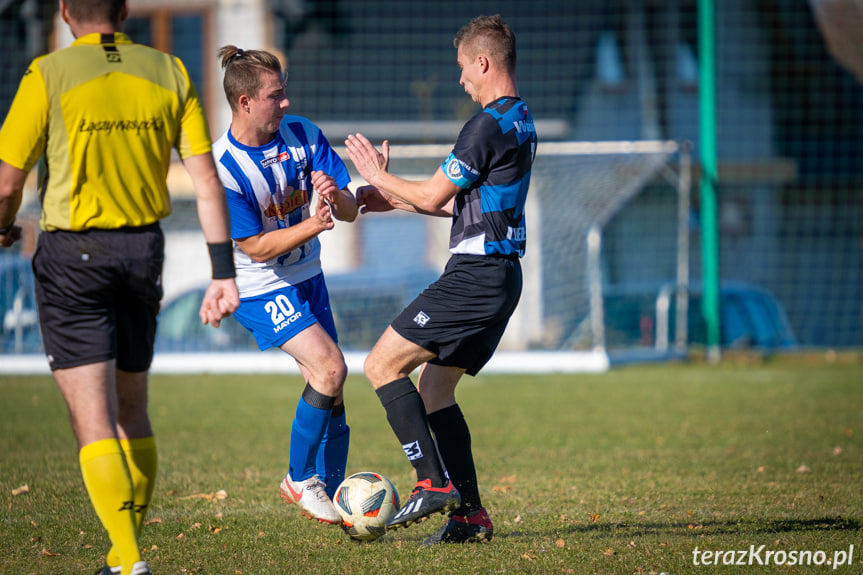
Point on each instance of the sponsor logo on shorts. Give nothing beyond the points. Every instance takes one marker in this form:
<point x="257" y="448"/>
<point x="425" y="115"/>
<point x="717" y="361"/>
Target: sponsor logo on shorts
<point x="287" y="322"/>
<point x="421" y="319"/>
<point x="412" y="450"/>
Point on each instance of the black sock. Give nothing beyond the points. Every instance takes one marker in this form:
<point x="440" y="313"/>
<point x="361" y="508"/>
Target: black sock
<point x="453" y="440"/>
<point x="407" y="416"/>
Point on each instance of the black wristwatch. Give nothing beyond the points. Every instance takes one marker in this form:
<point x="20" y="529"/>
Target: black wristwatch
<point x="7" y="229"/>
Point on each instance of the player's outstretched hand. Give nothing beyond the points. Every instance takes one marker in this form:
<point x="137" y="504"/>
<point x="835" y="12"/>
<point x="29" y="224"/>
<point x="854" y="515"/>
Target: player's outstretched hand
<point x="365" y="157"/>
<point x="371" y="199"/>
<point x="220" y="300"/>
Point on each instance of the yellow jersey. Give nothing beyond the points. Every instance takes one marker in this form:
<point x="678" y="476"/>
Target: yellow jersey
<point x="105" y="113"/>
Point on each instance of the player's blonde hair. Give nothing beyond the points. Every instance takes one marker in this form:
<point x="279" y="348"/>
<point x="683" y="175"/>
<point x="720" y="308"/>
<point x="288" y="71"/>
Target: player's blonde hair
<point x="243" y="71"/>
<point x="491" y="36"/>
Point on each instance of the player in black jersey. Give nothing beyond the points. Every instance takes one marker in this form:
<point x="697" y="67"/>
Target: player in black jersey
<point x="455" y="325"/>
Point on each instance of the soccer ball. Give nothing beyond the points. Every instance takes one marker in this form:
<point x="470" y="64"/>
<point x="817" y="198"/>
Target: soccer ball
<point x="366" y="501"/>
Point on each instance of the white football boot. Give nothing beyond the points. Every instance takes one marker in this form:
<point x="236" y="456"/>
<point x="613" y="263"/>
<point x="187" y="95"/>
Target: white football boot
<point x="311" y="496"/>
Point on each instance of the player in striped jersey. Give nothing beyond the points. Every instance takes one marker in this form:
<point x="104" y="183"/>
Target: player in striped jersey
<point x="275" y="169"/>
<point x="454" y="326"/>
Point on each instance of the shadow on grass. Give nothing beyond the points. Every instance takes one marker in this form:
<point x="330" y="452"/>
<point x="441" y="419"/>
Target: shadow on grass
<point x="676" y="529"/>
<point x="697" y="528"/>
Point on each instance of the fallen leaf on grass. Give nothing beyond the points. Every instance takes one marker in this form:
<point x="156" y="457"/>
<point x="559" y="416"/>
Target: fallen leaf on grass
<point x="517" y="519"/>
<point x="215" y="529"/>
<point x="46" y="553"/>
<point x="594" y="517"/>
<point x="501" y="488"/>
<point x="609" y="552"/>
<point x="181" y="536"/>
<point x="836" y="451"/>
<point x="803" y="469"/>
<point x="212" y="496"/>
<point x="21" y="490"/>
<point x="528" y="556"/>
<point x="560" y="543"/>
<point x="153" y="521"/>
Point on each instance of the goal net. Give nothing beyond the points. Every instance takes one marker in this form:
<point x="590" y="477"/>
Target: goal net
<point x="606" y="268"/>
<point x="612" y="235"/>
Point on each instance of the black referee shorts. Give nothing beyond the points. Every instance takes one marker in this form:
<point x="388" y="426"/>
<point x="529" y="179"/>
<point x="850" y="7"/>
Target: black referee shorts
<point x="98" y="293"/>
<point x="462" y="316"/>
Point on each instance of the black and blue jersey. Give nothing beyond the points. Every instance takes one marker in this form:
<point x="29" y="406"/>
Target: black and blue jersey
<point x="491" y="162"/>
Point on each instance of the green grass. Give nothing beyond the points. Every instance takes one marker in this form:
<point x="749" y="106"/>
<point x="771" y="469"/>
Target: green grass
<point x="623" y="472"/>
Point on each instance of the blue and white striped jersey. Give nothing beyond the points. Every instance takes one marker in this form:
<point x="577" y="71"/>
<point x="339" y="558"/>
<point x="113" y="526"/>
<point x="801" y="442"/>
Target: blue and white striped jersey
<point x="491" y="162"/>
<point x="269" y="188"/>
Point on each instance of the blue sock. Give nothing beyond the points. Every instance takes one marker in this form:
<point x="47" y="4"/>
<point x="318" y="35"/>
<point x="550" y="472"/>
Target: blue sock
<point x="307" y="432"/>
<point x="332" y="456"/>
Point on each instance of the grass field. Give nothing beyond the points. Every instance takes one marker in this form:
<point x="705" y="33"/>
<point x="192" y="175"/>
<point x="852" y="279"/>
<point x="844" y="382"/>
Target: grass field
<point x="631" y="471"/>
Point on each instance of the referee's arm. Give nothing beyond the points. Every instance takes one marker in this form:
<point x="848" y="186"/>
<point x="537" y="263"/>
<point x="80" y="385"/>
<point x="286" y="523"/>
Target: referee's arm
<point x="221" y="297"/>
<point x="211" y="200"/>
<point x="11" y="191"/>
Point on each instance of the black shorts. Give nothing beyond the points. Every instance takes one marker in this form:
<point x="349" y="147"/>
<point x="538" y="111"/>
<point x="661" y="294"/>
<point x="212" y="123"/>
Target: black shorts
<point x="98" y="293"/>
<point x="462" y="316"/>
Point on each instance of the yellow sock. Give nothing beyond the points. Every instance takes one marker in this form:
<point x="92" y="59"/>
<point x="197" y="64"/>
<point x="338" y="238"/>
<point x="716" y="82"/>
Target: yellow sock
<point x="106" y="476"/>
<point x="142" y="460"/>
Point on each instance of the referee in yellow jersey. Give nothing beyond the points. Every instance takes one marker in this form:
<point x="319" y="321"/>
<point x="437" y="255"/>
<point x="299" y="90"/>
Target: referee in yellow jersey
<point x="106" y="113"/>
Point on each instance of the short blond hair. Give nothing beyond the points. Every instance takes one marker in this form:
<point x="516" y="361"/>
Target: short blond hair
<point x="489" y="35"/>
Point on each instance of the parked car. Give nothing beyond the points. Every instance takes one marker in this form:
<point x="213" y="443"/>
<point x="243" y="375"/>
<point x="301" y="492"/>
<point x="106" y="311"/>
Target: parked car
<point x="751" y="317"/>
<point x="363" y="306"/>
<point x="180" y="329"/>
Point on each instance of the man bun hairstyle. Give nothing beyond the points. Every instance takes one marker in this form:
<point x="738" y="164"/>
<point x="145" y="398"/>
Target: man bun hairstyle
<point x="243" y="71"/>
